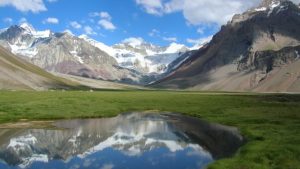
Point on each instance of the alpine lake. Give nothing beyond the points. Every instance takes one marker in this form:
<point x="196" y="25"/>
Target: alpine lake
<point x="128" y="141"/>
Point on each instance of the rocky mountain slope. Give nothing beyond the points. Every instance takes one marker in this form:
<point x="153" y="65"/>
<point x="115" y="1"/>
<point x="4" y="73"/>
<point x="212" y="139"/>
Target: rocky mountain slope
<point x="17" y="74"/>
<point x="133" y="61"/>
<point x="63" y="53"/>
<point x="256" y="51"/>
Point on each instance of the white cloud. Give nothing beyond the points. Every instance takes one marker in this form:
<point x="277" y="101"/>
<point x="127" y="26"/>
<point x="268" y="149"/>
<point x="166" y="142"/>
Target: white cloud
<point x="75" y="25"/>
<point x="106" y="24"/>
<point x="105" y="20"/>
<point x="134" y="41"/>
<point x="34" y="6"/>
<point x="8" y="20"/>
<point x="51" y="21"/>
<point x="198" y="12"/>
<point x="173" y="6"/>
<point x="216" y="11"/>
<point x="151" y="6"/>
<point x="23" y="20"/>
<point x="105" y="15"/>
<point x="89" y="31"/>
<point x="170" y="39"/>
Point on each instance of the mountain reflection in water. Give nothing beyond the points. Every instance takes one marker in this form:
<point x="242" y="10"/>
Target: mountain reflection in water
<point x="131" y="140"/>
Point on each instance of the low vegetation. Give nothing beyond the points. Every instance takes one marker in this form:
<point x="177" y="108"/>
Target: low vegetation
<point x="270" y="123"/>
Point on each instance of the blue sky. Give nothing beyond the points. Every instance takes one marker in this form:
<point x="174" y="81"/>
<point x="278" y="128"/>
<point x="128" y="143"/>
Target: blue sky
<point x="111" y="21"/>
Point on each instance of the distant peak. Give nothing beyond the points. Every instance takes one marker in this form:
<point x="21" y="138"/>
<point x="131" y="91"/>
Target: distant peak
<point x="270" y="5"/>
<point x="28" y="27"/>
<point x="67" y="31"/>
<point x="267" y="3"/>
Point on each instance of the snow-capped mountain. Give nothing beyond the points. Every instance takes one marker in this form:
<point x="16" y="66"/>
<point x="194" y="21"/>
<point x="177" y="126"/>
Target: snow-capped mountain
<point x="22" y="39"/>
<point x="135" y="53"/>
<point x="132" y="61"/>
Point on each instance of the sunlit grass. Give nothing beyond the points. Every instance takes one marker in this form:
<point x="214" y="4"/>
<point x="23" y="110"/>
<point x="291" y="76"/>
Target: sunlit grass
<point x="271" y="123"/>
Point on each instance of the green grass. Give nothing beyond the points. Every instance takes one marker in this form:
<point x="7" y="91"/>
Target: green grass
<point x="271" y="123"/>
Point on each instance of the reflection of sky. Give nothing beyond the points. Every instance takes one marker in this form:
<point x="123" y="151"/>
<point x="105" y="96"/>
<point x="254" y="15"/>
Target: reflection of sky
<point x="113" y="159"/>
<point x="124" y="142"/>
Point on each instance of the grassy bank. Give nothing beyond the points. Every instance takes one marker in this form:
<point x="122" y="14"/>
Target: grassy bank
<point x="271" y="123"/>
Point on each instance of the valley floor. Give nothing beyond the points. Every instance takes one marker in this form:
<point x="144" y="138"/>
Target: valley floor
<point x="270" y="122"/>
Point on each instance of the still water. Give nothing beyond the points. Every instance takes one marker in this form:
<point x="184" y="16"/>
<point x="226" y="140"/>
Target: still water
<point x="128" y="141"/>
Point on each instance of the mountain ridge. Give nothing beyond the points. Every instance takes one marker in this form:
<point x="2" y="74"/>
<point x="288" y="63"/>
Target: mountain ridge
<point x="256" y="38"/>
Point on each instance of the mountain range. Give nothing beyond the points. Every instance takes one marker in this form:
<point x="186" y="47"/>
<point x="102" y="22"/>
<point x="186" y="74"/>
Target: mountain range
<point x="256" y="51"/>
<point x="132" y="61"/>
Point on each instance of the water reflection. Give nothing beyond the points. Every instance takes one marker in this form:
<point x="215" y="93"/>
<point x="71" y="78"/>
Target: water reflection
<point x="132" y="140"/>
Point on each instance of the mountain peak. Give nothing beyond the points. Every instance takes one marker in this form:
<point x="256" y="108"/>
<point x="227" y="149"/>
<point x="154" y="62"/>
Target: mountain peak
<point x="268" y="3"/>
<point x="28" y="27"/>
<point x="69" y="32"/>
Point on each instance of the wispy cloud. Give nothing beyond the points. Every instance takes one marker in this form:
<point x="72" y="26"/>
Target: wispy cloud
<point x="75" y="25"/>
<point x="22" y="20"/>
<point x="106" y="24"/>
<point x="154" y="7"/>
<point x="154" y="33"/>
<point x="198" y="11"/>
<point x="89" y="30"/>
<point x="51" y="20"/>
<point x="105" y="15"/>
<point x="34" y="6"/>
<point x="200" y="30"/>
<point x="105" y="20"/>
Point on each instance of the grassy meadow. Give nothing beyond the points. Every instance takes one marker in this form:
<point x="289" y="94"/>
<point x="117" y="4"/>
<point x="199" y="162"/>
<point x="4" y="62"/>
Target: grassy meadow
<point x="270" y="122"/>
